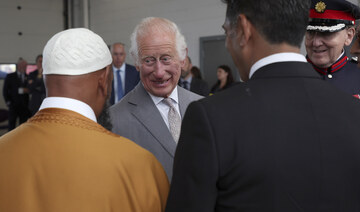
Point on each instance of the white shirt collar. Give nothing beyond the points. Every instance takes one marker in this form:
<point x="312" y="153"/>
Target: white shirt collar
<point x="122" y="68"/>
<point x="69" y="104"/>
<point x="274" y="58"/>
<point x="173" y="96"/>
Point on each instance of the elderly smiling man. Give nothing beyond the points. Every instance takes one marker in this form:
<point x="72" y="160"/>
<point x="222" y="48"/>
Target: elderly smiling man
<point x="150" y="115"/>
<point x="331" y="28"/>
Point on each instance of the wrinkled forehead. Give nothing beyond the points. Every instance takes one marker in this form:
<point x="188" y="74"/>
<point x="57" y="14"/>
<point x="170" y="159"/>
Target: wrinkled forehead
<point x="157" y="42"/>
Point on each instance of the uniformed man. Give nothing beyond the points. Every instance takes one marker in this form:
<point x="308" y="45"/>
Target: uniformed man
<point x="331" y="28"/>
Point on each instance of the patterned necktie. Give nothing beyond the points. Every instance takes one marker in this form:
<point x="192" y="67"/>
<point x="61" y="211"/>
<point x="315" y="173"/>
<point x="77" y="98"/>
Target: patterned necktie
<point x="120" y="92"/>
<point x="174" y="120"/>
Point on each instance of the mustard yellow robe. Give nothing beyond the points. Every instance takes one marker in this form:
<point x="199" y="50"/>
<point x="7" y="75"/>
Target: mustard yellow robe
<point x="62" y="161"/>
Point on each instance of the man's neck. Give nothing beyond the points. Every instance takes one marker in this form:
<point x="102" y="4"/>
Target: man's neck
<point x="118" y="67"/>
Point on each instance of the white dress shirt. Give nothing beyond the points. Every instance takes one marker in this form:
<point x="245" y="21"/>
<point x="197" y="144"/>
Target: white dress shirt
<point x="69" y="104"/>
<point x="163" y="107"/>
<point x="274" y="58"/>
<point x="122" y="75"/>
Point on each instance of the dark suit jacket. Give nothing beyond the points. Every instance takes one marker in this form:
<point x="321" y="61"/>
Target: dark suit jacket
<point x="37" y="91"/>
<point x="136" y="117"/>
<point x="198" y="86"/>
<point x="285" y="141"/>
<point x="131" y="80"/>
<point x="11" y="94"/>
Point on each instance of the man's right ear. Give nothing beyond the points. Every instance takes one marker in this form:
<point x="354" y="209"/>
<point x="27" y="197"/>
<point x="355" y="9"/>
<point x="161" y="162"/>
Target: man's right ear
<point x="105" y="81"/>
<point x="243" y="29"/>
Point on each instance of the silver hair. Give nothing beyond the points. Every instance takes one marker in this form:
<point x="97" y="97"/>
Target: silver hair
<point x="151" y="24"/>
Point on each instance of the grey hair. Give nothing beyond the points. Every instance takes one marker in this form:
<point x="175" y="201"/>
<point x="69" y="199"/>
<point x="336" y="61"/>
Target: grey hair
<point x="153" y="24"/>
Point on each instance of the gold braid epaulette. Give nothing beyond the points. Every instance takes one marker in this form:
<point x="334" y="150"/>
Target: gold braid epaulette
<point x="67" y="117"/>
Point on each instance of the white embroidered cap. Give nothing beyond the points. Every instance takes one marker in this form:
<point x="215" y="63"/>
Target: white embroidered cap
<point x="75" y="51"/>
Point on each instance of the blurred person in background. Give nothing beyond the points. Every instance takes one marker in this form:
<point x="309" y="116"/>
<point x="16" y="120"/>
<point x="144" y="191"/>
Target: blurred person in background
<point x="36" y="86"/>
<point x="191" y="83"/>
<point x="126" y="77"/>
<point x="195" y="71"/>
<point x="225" y="79"/>
<point x="16" y="94"/>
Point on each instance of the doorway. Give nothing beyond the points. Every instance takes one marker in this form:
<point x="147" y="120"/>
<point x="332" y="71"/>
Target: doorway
<point x="212" y="54"/>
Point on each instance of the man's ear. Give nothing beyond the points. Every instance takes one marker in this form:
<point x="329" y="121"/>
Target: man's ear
<point x="350" y="33"/>
<point x="243" y="29"/>
<point x="105" y="81"/>
<point x="182" y="62"/>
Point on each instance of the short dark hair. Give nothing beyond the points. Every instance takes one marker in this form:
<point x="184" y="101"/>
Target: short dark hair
<point x="278" y="21"/>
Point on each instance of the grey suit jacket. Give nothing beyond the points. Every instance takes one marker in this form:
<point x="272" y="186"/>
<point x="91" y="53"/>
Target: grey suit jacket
<point x="136" y="117"/>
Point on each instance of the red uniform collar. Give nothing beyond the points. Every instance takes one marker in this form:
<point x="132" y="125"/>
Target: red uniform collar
<point x="334" y="67"/>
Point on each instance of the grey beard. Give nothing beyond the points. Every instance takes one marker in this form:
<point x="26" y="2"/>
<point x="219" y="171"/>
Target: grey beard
<point x="104" y="118"/>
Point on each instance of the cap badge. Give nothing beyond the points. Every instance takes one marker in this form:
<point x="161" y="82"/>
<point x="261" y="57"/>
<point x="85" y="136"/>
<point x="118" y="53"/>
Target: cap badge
<point x="320" y="7"/>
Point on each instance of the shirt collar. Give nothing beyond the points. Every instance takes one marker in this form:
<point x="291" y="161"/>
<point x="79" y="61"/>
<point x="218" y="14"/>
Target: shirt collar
<point x="173" y="96"/>
<point x="122" y="68"/>
<point x="69" y="104"/>
<point x="274" y="58"/>
<point x="187" y="80"/>
<point x="341" y="61"/>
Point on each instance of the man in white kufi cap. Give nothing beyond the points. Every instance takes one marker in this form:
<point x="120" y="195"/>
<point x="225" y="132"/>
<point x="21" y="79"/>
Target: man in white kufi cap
<point x="62" y="159"/>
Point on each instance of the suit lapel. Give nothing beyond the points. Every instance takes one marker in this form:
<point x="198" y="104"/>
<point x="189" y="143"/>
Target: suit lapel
<point x="127" y="79"/>
<point x="148" y="114"/>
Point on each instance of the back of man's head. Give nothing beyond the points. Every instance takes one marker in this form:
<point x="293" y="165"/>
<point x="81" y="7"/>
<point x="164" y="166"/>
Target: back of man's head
<point x="278" y="21"/>
<point x="72" y="60"/>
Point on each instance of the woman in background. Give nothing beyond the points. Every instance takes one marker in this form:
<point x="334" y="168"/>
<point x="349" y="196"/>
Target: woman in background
<point x="225" y="79"/>
<point x="195" y="71"/>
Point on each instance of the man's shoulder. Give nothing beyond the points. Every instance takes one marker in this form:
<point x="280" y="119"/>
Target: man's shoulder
<point x="114" y="145"/>
<point x="125" y="101"/>
<point x="191" y="95"/>
<point x="129" y="67"/>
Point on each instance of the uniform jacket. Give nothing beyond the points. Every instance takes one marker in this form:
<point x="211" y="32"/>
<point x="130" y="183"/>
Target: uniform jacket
<point x="284" y="141"/>
<point x="136" y="117"/>
<point x="344" y="74"/>
<point x="132" y="78"/>
<point x="62" y="161"/>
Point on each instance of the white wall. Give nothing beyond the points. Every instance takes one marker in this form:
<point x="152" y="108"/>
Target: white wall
<point x="38" y="20"/>
<point x="115" y="20"/>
